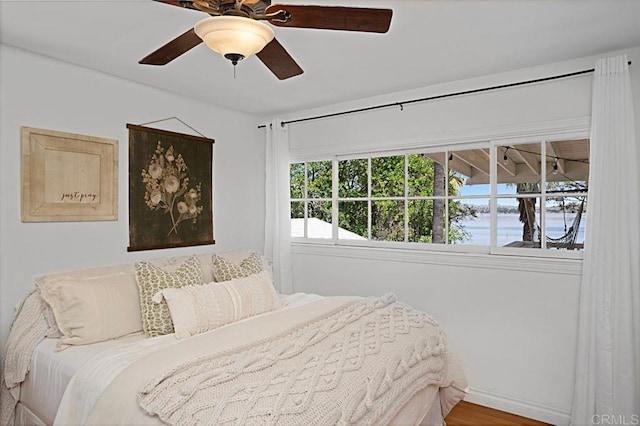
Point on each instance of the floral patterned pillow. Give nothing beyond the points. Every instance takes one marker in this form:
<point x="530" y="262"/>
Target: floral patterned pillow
<point x="156" y="319"/>
<point x="225" y="269"/>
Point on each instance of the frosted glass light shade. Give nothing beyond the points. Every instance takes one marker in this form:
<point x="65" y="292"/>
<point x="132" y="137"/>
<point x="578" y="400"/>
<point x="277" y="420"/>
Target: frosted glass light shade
<point x="234" y="34"/>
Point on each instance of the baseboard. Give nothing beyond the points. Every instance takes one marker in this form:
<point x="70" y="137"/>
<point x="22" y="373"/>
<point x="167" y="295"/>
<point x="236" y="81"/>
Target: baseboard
<point x="520" y="408"/>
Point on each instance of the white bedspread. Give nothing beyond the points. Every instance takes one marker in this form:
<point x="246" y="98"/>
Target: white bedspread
<point x="118" y="403"/>
<point x="96" y="373"/>
<point x="83" y="373"/>
<point x="94" y="376"/>
<point x="345" y="361"/>
<point x="51" y="372"/>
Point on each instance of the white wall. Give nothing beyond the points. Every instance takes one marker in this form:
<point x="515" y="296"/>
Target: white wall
<point x="512" y="321"/>
<point x="40" y="92"/>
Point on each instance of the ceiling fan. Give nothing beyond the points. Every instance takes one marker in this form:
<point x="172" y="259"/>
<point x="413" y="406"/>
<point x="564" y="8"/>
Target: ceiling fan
<point x="236" y="30"/>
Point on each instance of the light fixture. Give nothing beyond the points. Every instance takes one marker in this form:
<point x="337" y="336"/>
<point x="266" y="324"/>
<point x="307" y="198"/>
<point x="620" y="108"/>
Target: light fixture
<point x="234" y="37"/>
<point x="555" y="166"/>
<point x="505" y="158"/>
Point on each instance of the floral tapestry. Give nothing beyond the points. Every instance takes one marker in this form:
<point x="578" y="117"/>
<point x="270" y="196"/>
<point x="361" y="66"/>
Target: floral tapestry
<point x="170" y="189"/>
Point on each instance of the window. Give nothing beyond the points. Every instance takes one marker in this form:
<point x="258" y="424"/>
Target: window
<point x="542" y="204"/>
<point x="494" y="197"/>
<point x="311" y="199"/>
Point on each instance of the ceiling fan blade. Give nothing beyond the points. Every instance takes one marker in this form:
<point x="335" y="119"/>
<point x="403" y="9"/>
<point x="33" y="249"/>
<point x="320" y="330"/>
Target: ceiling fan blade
<point x="278" y="60"/>
<point x="184" y="4"/>
<point x="170" y="51"/>
<point x="334" y="18"/>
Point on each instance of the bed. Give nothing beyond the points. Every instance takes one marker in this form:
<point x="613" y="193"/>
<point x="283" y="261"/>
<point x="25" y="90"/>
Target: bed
<point x="262" y="358"/>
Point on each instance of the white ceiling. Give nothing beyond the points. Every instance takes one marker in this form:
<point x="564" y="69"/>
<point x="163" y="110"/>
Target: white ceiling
<point x="430" y="42"/>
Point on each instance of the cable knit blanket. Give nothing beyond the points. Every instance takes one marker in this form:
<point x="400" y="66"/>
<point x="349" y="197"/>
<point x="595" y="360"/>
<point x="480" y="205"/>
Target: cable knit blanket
<point x="357" y="364"/>
<point x="28" y="329"/>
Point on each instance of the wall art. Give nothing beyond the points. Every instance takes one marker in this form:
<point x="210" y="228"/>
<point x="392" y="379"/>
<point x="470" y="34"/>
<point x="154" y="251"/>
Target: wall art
<point x="170" y="189"/>
<point x="68" y="177"/>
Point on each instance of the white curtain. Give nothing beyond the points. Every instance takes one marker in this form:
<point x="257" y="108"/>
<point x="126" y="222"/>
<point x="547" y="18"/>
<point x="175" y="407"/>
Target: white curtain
<point x="277" y="227"/>
<point x="608" y="354"/>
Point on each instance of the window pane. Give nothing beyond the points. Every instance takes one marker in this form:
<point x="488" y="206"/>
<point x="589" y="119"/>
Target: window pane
<point x="319" y="179"/>
<point x="567" y="165"/>
<point x="518" y="222"/>
<point x="387" y="220"/>
<point x="469" y="172"/>
<point x="426" y="174"/>
<point x="519" y="168"/>
<point x="297" y="218"/>
<point x="469" y="222"/>
<point x="566" y="222"/>
<point x="297" y="209"/>
<point x="423" y="214"/>
<point x="319" y="220"/>
<point x="387" y="176"/>
<point x="353" y="220"/>
<point x="296" y="176"/>
<point x="353" y="178"/>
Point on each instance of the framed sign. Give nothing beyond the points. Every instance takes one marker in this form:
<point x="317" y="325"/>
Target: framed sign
<point x="68" y="177"/>
<point x="170" y="189"/>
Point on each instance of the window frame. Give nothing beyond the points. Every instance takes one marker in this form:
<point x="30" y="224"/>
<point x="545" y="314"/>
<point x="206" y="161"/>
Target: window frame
<point x="306" y="200"/>
<point x="543" y="251"/>
<point x="490" y="143"/>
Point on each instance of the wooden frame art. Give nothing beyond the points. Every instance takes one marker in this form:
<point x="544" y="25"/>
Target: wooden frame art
<point x="68" y="177"/>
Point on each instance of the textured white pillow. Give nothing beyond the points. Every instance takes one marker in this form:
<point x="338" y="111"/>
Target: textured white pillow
<point x="196" y="309"/>
<point x="93" y="309"/>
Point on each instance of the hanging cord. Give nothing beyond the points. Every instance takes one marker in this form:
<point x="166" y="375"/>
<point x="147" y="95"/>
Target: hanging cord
<point x="174" y="118"/>
<point x="555" y="166"/>
<point x="555" y="157"/>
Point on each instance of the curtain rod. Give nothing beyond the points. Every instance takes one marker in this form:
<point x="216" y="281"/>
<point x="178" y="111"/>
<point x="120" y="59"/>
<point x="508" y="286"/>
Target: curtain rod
<point x="431" y="98"/>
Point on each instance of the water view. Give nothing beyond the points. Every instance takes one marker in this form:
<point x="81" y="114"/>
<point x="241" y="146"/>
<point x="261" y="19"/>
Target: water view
<point x="510" y="228"/>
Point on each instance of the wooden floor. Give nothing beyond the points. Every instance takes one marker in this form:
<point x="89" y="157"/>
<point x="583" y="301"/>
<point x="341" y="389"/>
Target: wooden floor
<point x="467" y="414"/>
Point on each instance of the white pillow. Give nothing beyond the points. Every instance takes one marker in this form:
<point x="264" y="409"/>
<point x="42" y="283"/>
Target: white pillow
<point x="90" y="310"/>
<point x="196" y="309"/>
